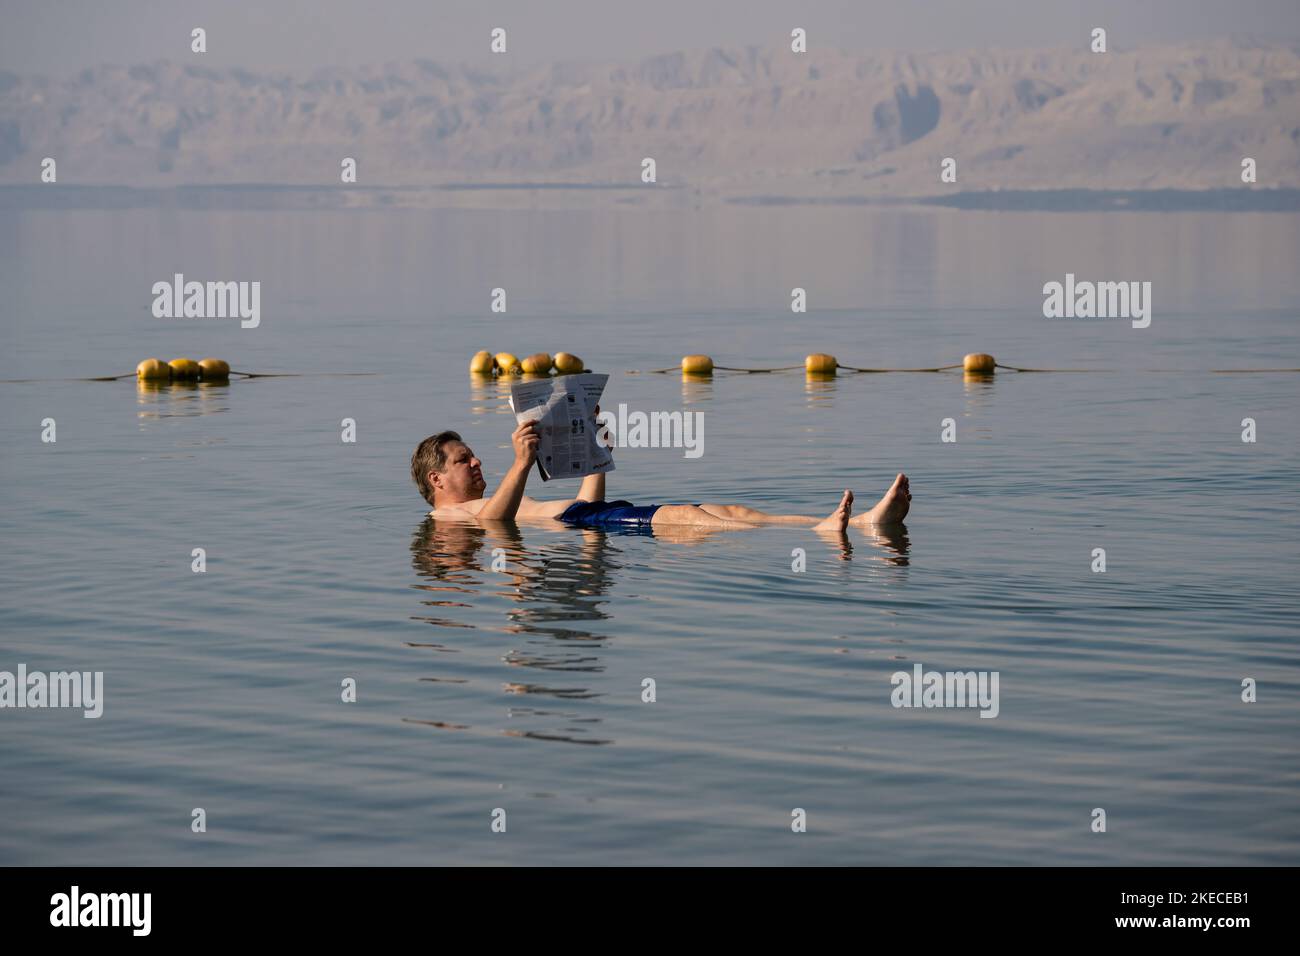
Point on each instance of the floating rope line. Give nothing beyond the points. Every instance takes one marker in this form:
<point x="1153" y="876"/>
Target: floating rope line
<point x="820" y="364"/>
<point x="1157" y="371"/>
<point x="1013" y="368"/>
<point x="716" y="368"/>
<point x="208" y="371"/>
<point x="755" y="371"/>
<point x="1228" y="371"/>
<point x="941" y="368"/>
<point x="486" y="364"/>
<point x="977" y="363"/>
<point x="711" y="368"/>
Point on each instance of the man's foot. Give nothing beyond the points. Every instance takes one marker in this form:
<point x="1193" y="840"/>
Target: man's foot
<point x="892" y="508"/>
<point x="839" y="518"/>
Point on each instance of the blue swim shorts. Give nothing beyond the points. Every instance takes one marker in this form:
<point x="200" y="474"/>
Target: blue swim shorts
<point x="608" y="514"/>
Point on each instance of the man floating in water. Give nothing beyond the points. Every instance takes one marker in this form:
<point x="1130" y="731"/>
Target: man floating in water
<point x="450" y="478"/>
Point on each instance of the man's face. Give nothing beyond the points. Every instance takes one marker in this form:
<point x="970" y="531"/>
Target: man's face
<point x="462" y="479"/>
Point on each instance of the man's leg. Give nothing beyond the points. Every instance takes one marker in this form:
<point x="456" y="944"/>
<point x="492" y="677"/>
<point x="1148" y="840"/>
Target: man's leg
<point x="889" y="510"/>
<point x="723" y="517"/>
<point x="753" y="515"/>
<point x="693" y="517"/>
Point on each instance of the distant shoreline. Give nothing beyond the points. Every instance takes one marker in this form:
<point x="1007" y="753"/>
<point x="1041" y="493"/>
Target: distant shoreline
<point x="271" y="196"/>
<point x="1069" y="200"/>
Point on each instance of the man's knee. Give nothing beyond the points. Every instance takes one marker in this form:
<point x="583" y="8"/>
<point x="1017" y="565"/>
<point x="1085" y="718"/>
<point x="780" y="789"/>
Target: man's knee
<point x="683" y="514"/>
<point x="730" y="512"/>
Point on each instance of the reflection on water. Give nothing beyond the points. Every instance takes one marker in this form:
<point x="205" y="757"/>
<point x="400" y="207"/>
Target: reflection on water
<point x="696" y="388"/>
<point x="490" y="395"/>
<point x="557" y="595"/>
<point x="978" y="387"/>
<point x="819" y="390"/>
<point x="158" y="400"/>
<point x="893" y="546"/>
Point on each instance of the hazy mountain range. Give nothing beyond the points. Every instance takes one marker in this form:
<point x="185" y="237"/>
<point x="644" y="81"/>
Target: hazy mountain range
<point x="720" y="124"/>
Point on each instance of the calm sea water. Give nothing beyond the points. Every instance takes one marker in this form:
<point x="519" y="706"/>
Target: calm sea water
<point x="521" y="689"/>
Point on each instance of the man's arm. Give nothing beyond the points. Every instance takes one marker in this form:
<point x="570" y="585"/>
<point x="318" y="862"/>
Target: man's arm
<point x="505" y="503"/>
<point x="593" y="486"/>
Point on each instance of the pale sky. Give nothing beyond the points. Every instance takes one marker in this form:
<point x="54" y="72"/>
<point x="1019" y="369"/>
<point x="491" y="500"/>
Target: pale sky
<point x="60" y="37"/>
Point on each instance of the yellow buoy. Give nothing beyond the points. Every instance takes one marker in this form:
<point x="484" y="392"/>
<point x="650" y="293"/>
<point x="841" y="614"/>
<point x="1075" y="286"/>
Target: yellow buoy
<point x="183" y="368"/>
<point x="537" y="364"/>
<point x="820" y="364"/>
<point x="482" y="363"/>
<point x="507" y="364"/>
<point x="153" y="370"/>
<point x="697" y="365"/>
<point x="980" y="363"/>
<point x="567" y="364"/>
<point x="214" y="370"/>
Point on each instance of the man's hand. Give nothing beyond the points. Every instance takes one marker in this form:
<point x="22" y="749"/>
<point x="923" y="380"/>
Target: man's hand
<point x="525" y="440"/>
<point x="504" y="505"/>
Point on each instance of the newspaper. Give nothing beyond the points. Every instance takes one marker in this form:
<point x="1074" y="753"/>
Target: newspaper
<point x="563" y="407"/>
